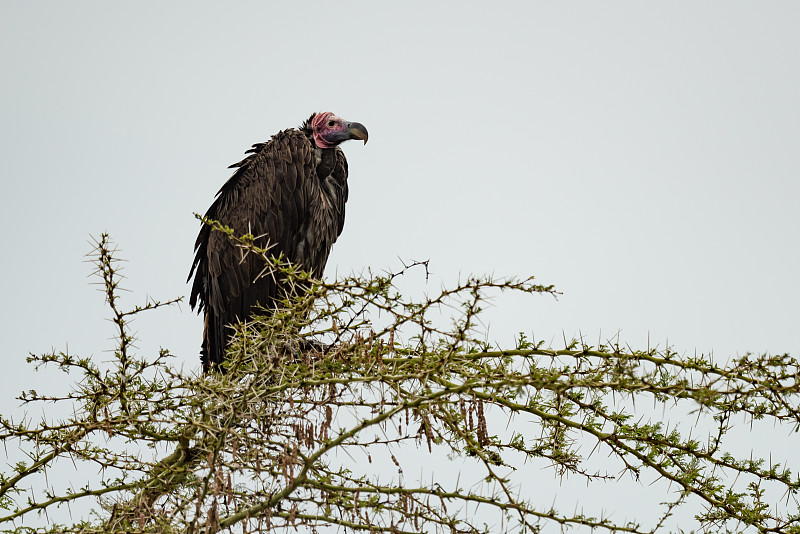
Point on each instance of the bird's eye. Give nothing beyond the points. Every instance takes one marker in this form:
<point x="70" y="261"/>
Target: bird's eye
<point x="331" y="124"/>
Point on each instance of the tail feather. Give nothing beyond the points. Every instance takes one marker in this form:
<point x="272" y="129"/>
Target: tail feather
<point x="212" y="351"/>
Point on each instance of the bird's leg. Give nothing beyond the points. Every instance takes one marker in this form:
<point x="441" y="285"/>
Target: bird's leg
<point x="312" y="345"/>
<point x="297" y="350"/>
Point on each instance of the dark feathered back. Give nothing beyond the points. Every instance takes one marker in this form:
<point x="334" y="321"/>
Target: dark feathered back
<point x="291" y="194"/>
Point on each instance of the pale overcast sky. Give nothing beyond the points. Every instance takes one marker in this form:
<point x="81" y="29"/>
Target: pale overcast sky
<point x="642" y="156"/>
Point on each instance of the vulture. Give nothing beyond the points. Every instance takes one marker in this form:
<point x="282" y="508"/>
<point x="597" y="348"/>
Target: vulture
<point x="289" y="193"/>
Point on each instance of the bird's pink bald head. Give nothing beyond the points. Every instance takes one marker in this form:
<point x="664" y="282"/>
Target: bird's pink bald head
<point x="329" y="130"/>
<point x="323" y="125"/>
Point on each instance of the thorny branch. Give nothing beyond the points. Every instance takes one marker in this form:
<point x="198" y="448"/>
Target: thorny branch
<point x="330" y="402"/>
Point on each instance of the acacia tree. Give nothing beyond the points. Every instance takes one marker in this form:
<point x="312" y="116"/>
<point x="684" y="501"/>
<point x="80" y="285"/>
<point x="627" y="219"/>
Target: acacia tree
<point x="328" y="403"/>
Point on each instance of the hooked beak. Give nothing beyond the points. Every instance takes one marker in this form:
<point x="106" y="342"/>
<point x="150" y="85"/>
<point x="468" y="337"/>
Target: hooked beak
<point x="357" y="131"/>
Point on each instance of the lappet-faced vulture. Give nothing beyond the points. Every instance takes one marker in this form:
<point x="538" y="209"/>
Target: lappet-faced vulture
<point x="290" y="193"/>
